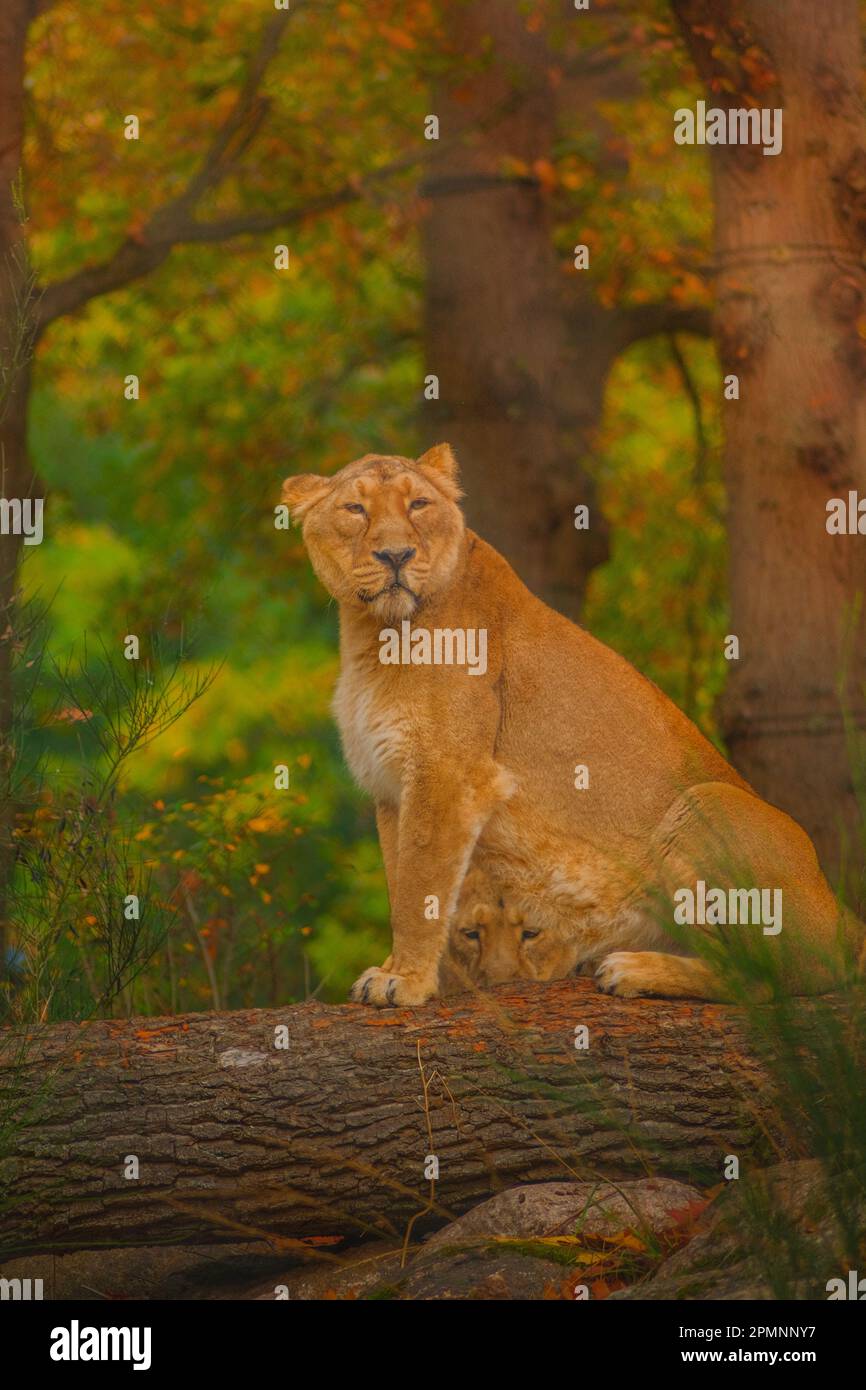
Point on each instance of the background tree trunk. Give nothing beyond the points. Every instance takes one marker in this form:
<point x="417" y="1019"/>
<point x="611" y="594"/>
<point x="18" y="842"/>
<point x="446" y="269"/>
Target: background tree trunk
<point x="520" y="397"/>
<point x="790" y="241"/>
<point x="236" y="1139"/>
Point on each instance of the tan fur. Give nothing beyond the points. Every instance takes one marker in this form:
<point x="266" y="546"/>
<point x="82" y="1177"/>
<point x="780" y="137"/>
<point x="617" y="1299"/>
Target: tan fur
<point x="478" y="770"/>
<point x="481" y="914"/>
<point x="488" y="935"/>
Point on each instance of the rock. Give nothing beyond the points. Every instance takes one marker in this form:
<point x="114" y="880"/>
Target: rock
<point x="486" y="1274"/>
<point x="549" y="1240"/>
<point x="651" y="1205"/>
<point x="375" y="1267"/>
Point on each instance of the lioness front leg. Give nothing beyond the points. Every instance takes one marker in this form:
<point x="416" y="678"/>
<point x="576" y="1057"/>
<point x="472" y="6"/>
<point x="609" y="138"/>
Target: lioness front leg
<point x="441" y="816"/>
<point x="630" y="973"/>
<point x="387" y="825"/>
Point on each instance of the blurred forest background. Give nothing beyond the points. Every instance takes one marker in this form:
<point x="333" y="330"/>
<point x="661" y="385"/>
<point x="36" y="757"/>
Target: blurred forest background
<point x="155" y="258"/>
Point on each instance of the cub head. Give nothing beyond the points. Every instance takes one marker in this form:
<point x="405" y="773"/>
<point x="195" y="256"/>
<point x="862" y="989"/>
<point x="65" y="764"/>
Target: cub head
<point x="384" y="535"/>
<point x="491" y="942"/>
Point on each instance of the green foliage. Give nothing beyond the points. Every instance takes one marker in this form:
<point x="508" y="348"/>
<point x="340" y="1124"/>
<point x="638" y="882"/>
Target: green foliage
<point x="79" y="900"/>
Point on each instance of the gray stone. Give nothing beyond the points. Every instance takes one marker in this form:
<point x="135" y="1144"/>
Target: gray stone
<point x="654" y="1205"/>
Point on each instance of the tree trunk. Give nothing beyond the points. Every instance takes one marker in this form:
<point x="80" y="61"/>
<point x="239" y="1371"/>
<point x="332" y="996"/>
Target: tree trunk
<point x="520" y="396"/>
<point x="790" y="241"/>
<point x="15" y="335"/>
<point x="237" y="1139"/>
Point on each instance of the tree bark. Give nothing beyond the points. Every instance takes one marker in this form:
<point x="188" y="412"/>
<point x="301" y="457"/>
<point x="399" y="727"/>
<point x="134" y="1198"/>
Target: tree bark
<point x="519" y="340"/>
<point x="520" y="396"/>
<point x="790" y="241"/>
<point x="237" y="1139"/>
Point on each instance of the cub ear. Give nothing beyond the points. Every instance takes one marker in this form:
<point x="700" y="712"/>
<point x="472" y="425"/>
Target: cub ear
<point x="440" y="461"/>
<point x="302" y="492"/>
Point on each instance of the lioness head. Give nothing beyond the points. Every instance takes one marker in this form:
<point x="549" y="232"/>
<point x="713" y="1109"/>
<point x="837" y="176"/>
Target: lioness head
<point x="384" y="534"/>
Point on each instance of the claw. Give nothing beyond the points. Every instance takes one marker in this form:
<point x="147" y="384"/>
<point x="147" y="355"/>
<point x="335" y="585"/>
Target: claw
<point x="381" y="988"/>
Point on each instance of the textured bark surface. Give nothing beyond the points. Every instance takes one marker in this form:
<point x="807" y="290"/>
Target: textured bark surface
<point x="791" y="284"/>
<point x="238" y="1140"/>
<point x="520" y="397"/>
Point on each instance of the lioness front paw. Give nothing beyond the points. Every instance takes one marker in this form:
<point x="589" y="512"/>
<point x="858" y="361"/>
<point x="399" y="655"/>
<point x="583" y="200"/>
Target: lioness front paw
<point x="627" y="973"/>
<point x="382" y="989"/>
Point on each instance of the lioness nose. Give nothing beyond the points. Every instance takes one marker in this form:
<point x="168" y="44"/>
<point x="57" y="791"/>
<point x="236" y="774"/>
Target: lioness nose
<point x="395" y="558"/>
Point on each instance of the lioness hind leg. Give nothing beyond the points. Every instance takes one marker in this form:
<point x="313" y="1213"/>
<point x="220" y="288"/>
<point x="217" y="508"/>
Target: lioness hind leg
<point x="629" y="973"/>
<point x="732" y="840"/>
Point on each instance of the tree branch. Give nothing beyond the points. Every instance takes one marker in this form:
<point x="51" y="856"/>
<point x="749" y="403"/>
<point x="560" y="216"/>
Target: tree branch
<point x="135" y="259"/>
<point x="173" y="222"/>
<point x="246" y="107"/>
<point x="649" y="320"/>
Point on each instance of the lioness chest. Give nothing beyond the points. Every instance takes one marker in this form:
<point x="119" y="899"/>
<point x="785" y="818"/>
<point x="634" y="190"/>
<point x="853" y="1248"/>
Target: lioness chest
<point x="376" y="735"/>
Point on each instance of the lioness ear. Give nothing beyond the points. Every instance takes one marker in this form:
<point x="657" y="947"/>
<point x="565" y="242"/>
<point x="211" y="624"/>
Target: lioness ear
<point x="440" y="459"/>
<point x="300" y="493"/>
<point x="441" y="463"/>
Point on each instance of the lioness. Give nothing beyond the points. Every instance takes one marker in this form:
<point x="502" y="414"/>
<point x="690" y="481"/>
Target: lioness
<point x="477" y="762"/>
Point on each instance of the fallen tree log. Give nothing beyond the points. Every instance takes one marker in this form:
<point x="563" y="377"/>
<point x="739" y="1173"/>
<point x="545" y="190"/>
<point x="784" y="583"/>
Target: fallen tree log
<point x="319" y="1120"/>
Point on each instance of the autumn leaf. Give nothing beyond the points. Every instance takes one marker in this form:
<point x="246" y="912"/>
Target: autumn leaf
<point x="72" y="715"/>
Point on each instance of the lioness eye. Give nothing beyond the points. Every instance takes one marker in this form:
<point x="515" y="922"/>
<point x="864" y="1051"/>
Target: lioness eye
<point x="355" y="507"/>
<point x="472" y="935"/>
<point x="529" y="935"/>
<point x="418" y="502"/>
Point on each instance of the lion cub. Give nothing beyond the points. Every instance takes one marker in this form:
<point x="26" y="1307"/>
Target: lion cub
<point x="486" y="939"/>
<point x="492" y="941"/>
